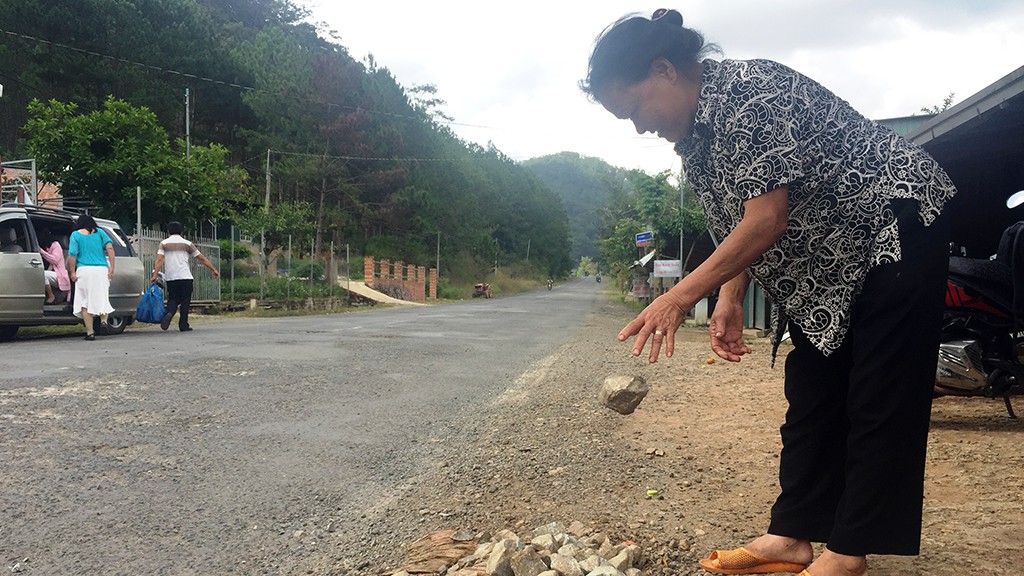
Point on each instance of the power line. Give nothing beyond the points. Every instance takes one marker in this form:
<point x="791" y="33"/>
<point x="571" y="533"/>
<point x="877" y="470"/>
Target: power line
<point x="366" y="158"/>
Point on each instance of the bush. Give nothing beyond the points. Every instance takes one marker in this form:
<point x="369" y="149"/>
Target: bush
<point x="448" y="292"/>
<point x="278" y="288"/>
<point x="245" y="287"/>
<point x="308" y="269"/>
<point x="241" y="250"/>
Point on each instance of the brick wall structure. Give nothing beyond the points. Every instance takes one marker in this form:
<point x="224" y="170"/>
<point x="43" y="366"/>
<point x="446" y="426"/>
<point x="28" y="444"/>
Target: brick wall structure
<point x="400" y="280"/>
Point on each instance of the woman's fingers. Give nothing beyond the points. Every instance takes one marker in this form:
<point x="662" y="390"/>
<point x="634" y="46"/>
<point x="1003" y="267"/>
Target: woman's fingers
<point x="657" y="323"/>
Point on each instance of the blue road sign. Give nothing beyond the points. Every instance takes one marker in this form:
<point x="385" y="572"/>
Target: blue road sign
<point x="645" y="238"/>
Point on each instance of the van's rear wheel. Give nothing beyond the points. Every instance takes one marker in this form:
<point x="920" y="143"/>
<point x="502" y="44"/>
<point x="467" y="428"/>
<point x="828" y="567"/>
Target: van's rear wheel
<point x="115" y="325"/>
<point x="8" y="333"/>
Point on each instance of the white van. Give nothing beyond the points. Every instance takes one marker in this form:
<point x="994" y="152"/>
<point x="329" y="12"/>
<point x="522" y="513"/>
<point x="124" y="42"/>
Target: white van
<point x="22" y="292"/>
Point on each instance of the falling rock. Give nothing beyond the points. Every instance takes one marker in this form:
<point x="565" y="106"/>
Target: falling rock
<point x="623" y="393"/>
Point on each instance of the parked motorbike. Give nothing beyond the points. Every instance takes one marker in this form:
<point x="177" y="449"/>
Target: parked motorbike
<point x="482" y="289"/>
<point x="982" y="348"/>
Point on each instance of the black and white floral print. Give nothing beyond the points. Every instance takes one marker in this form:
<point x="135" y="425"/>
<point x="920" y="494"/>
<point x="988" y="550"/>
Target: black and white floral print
<point x="761" y="125"/>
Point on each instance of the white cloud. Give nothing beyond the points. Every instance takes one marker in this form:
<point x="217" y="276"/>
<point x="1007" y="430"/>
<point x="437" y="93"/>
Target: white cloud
<point x="511" y="70"/>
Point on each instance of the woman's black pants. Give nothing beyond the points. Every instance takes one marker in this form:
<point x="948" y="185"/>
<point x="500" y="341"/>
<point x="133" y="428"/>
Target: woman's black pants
<point x="855" y="436"/>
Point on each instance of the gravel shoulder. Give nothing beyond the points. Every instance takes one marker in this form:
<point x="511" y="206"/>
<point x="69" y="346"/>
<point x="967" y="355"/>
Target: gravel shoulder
<point x="706" y="438"/>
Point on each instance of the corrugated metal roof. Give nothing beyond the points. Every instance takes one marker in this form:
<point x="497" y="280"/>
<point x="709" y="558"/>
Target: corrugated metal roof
<point x="905" y="124"/>
<point x="992" y="98"/>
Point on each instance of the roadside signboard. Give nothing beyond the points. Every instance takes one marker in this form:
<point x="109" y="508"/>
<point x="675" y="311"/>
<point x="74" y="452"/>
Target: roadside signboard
<point x="645" y="238"/>
<point x="668" y="268"/>
<point x="641" y="289"/>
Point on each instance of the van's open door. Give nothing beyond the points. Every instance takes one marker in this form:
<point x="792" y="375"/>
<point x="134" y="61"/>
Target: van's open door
<point x="22" y="292"/>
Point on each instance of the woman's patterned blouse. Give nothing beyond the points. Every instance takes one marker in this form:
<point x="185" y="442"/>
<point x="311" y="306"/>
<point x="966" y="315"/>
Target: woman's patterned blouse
<point x="761" y="125"/>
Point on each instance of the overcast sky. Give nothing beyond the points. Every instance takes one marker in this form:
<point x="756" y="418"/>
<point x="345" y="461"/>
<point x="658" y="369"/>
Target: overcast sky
<point x="509" y="71"/>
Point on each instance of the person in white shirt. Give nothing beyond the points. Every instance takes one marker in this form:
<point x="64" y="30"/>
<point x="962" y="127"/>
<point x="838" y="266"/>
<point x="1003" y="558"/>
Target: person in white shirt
<point x="173" y="254"/>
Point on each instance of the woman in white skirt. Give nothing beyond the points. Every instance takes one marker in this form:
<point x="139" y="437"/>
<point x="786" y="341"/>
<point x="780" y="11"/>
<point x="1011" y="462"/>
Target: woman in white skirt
<point x="91" y="265"/>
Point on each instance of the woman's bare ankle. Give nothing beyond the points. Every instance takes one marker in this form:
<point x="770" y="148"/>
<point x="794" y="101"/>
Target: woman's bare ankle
<point x="831" y="563"/>
<point x="775" y="547"/>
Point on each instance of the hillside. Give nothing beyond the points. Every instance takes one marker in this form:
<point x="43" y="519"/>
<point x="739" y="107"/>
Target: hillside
<point x="582" y="183"/>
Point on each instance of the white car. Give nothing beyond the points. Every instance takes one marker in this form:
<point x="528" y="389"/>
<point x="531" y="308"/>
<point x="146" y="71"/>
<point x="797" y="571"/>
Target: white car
<point x="22" y="291"/>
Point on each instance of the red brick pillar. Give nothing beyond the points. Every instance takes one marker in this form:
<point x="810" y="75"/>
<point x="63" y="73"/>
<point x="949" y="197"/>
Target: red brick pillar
<point x="411" y="283"/>
<point x="368" y="271"/>
<point x="385" y="271"/>
<point x="433" y="283"/>
<point x="421" y="282"/>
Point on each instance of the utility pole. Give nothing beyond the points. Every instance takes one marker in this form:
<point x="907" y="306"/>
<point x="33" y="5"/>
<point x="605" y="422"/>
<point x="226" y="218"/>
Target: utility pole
<point x="188" y="126"/>
<point x="682" y="226"/>
<point x="438" y="265"/>
<point x="263" y="234"/>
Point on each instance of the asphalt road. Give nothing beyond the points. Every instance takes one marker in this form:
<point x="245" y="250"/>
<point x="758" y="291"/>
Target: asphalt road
<point x="186" y="453"/>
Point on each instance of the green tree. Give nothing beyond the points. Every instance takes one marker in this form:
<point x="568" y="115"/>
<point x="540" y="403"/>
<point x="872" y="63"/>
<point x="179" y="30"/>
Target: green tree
<point x="376" y="161"/>
<point x="947" y="103"/>
<point x="103" y="156"/>
<point x="275" y="225"/>
<point x="582" y="185"/>
<point x="647" y="203"/>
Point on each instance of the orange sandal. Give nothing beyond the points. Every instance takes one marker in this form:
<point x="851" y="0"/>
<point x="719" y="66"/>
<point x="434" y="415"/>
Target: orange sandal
<point x="743" y="561"/>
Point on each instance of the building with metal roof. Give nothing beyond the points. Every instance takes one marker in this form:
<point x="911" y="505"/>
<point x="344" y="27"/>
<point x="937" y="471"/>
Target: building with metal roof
<point x="980" y="144"/>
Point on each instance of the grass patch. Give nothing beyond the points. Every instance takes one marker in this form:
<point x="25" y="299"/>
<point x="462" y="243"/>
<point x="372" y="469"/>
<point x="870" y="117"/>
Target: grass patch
<point x="37" y="331"/>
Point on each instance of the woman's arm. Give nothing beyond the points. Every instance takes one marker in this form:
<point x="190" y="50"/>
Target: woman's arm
<point x="110" y="260"/>
<point x="52" y="258"/>
<point x="764" y="221"/>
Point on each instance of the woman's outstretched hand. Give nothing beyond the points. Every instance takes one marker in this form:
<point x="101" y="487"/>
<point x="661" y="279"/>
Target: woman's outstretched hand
<point x="727" y="332"/>
<point x="659" y="322"/>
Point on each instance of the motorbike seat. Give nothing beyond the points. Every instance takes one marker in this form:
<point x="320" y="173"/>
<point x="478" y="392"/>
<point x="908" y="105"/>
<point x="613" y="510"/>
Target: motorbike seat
<point x="991" y="278"/>
<point x="1011" y="254"/>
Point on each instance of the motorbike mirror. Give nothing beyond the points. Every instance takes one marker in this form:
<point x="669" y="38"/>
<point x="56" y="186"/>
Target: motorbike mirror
<point x="1015" y="200"/>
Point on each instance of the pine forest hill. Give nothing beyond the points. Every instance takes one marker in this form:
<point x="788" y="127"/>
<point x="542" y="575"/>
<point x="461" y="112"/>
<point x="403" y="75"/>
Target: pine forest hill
<point x="94" y="91"/>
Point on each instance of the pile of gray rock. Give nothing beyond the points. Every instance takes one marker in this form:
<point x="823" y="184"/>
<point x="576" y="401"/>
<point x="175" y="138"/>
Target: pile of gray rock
<point x="549" y="550"/>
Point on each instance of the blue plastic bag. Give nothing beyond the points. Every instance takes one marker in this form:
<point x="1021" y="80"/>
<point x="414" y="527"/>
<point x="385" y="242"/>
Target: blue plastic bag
<point x="151" y="306"/>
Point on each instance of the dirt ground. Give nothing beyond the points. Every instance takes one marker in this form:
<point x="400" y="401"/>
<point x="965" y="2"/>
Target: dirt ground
<point x="706" y="438"/>
<point x="729" y="414"/>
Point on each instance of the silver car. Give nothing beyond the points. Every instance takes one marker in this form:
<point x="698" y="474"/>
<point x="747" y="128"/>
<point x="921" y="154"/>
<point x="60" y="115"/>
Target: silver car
<point x="22" y="293"/>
